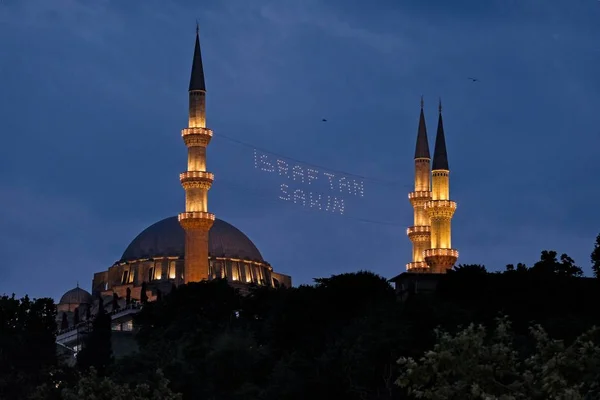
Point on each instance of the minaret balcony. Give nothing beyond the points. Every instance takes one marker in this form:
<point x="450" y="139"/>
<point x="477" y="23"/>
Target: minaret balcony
<point x="419" y="233"/>
<point x="440" y="208"/>
<point x="196" y="179"/>
<point x="419" y="198"/>
<point x="441" y="253"/>
<point x="417" y="266"/>
<point x="420" y="194"/>
<point x="196" y="137"/>
<point x="196" y="220"/>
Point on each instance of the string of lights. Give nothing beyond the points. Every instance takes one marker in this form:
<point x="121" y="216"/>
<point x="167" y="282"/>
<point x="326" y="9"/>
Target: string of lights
<point x="237" y="188"/>
<point x="349" y="174"/>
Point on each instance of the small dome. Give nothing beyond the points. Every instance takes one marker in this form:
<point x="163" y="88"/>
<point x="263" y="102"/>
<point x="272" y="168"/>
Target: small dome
<point x="76" y="296"/>
<point x="167" y="238"/>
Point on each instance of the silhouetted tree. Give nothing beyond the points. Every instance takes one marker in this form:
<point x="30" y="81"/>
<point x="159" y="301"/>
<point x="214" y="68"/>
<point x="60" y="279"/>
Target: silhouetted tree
<point x="548" y="264"/>
<point x="519" y="268"/>
<point x="76" y="316"/>
<point x="97" y="348"/>
<point x="595" y="256"/>
<point x="115" y="302"/>
<point x="128" y="297"/>
<point x="143" y="295"/>
<point x="27" y="344"/>
<point x="469" y="268"/>
<point x="64" y="324"/>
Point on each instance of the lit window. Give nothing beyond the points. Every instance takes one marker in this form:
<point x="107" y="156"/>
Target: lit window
<point x="125" y="278"/>
<point x="235" y="271"/>
<point x="172" y="270"/>
<point x="158" y="270"/>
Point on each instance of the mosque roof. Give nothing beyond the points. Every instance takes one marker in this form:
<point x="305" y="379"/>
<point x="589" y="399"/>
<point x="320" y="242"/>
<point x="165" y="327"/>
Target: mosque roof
<point x="76" y="296"/>
<point x="166" y="238"/>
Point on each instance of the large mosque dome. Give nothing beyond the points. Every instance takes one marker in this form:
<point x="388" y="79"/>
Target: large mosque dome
<point x="166" y="238"/>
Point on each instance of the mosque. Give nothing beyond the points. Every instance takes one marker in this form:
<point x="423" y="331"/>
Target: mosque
<point x="190" y="247"/>
<point x="195" y="246"/>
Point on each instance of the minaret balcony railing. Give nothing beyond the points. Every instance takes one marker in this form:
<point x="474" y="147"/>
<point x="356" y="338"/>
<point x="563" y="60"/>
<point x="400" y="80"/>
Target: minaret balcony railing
<point x="417" y="266"/>
<point x="196" y="137"/>
<point x="440" y="253"/>
<point x="196" y="131"/>
<point x="420" y="195"/>
<point x="419" y="233"/>
<point x="196" y="179"/>
<point x="196" y="215"/>
<point x="441" y="204"/>
<point x="193" y="220"/>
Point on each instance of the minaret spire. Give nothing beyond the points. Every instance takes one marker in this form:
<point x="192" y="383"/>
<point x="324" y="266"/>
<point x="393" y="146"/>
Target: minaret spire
<point x="422" y="148"/>
<point x="197" y="77"/>
<point x="440" y="156"/>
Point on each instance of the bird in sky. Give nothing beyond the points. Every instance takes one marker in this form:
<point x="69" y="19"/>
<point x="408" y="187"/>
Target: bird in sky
<point x="474" y="79"/>
<point x="324" y="120"/>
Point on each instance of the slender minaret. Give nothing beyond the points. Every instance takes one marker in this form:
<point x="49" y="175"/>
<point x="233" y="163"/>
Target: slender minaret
<point x="419" y="233"/>
<point x="441" y="256"/>
<point x="196" y="220"/>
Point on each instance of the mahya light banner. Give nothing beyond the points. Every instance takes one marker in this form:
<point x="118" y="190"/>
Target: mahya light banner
<point x="308" y="186"/>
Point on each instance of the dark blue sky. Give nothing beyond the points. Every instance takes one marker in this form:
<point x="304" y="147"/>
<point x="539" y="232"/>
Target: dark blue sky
<point x="93" y="94"/>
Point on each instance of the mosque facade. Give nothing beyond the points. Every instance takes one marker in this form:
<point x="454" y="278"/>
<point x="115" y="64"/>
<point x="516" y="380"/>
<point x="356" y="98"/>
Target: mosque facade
<point x="191" y="247"/>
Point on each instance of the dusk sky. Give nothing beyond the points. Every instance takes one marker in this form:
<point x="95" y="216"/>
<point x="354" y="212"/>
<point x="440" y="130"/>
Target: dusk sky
<point x="93" y="96"/>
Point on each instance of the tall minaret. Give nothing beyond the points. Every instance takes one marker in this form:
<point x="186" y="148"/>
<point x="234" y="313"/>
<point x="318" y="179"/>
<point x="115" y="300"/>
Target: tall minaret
<point x="196" y="220"/>
<point x="441" y="256"/>
<point x="419" y="233"/>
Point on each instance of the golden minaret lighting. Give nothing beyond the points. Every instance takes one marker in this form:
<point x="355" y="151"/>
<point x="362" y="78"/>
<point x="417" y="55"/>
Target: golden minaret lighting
<point x="440" y="256"/>
<point x="196" y="181"/>
<point x="419" y="234"/>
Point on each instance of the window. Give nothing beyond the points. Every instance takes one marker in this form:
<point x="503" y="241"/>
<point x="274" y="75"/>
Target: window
<point x="125" y="278"/>
<point x="158" y="270"/>
<point x="172" y="270"/>
<point x="235" y="271"/>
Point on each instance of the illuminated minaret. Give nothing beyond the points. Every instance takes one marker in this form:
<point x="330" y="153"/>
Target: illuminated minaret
<point x="419" y="233"/>
<point x="196" y="220"/>
<point x="441" y="256"/>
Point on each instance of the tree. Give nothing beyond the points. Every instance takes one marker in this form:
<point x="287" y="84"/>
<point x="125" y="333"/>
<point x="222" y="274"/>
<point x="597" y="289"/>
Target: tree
<point x="27" y="344"/>
<point x="115" y="302"/>
<point x="595" y="256"/>
<point x="76" y="316"/>
<point x="128" y="297"/>
<point x="143" y="294"/>
<point x="64" y="323"/>
<point x="549" y="265"/>
<point x="469" y="268"/>
<point x="519" y="268"/>
<point x="95" y="387"/>
<point x="97" y="347"/>
<point x="475" y="364"/>
<point x="88" y="313"/>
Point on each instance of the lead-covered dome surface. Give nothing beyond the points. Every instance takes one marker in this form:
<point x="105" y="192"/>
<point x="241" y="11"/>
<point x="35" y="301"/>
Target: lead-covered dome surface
<point x="76" y="296"/>
<point x="166" y="238"/>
